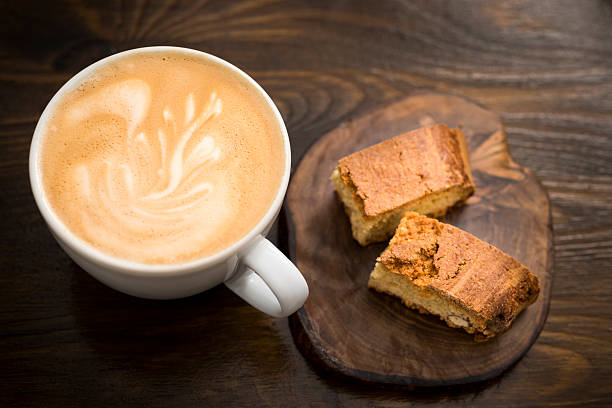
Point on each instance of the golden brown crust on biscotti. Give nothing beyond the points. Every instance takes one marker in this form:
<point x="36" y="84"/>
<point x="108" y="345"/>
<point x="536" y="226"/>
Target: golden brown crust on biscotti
<point x="450" y="273"/>
<point x="426" y="170"/>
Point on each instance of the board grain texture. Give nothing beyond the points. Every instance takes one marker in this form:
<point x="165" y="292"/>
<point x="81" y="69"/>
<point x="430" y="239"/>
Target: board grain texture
<point x="544" y="66"/>
<point x="352" y="331"/>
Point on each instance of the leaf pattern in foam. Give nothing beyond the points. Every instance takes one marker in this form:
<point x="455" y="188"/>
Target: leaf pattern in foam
<point x="162" y="174"/>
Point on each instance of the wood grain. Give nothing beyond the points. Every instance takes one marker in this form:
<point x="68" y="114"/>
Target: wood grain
<point x="372" y="337"/>
<point x="545" y="66"/>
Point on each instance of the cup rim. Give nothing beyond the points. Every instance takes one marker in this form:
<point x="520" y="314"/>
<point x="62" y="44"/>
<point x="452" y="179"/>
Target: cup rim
<point x="61" y="231"/>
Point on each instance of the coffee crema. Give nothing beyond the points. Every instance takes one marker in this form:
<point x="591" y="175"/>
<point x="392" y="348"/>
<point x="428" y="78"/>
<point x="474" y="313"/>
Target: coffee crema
<point x="162" y="158"/>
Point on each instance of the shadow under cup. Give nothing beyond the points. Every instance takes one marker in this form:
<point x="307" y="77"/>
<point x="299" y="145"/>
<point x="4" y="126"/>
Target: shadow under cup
<point x="250" y="266"/>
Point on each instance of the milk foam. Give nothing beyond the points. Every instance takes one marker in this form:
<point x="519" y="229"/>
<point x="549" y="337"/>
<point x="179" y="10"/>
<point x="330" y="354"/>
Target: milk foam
<point x="162" y="159"/>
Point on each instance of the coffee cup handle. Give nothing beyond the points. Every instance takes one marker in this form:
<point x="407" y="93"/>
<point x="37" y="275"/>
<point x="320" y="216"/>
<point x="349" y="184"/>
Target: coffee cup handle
<point x="268" y="280"/>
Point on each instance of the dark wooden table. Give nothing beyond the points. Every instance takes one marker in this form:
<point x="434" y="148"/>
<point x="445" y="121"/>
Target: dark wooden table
<point x="544" y="66"/>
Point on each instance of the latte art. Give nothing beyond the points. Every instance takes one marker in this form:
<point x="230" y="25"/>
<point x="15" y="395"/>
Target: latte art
<point x="131" y="188"/>
<point x="162" y="162"/>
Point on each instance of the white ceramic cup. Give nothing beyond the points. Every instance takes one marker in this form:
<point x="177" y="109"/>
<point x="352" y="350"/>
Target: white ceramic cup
<point x="252" y="267"/>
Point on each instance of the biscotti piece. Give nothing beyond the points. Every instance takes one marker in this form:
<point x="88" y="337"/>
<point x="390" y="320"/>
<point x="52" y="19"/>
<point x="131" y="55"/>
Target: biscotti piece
<point x="426" y="170"/>
<point x="439" y="269"/>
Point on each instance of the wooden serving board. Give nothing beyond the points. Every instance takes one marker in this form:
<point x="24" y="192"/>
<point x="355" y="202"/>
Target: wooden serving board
<point x="348" y="329"/>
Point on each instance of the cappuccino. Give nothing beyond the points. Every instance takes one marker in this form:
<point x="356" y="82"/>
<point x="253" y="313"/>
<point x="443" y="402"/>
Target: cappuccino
<point x="162" y="158"/>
